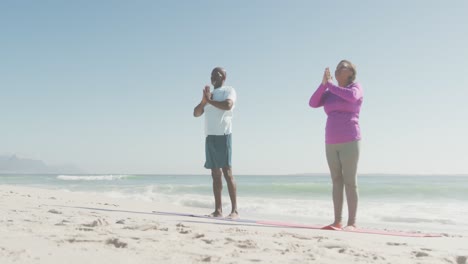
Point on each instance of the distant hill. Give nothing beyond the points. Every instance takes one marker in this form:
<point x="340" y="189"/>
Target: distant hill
<point x="14" y="164"/>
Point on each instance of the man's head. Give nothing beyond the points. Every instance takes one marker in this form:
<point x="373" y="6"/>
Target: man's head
<point x="218" y="76"/>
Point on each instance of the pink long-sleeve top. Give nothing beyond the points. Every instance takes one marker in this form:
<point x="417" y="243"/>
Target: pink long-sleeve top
<point x="342" y="106"/>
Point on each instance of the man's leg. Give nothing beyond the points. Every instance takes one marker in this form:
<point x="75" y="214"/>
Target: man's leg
<point x="231" y="183"/>
<point x="217" y="189"/>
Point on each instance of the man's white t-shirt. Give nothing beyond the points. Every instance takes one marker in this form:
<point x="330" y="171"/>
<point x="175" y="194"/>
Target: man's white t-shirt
<point x="217" y="121"/>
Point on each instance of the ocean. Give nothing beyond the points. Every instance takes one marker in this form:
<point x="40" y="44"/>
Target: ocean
<point x="400" y="202"/>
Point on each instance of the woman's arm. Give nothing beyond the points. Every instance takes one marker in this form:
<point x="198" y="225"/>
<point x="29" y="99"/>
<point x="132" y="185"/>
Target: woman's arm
<point x="318" y="98"/>
<point x="351" y="94"/>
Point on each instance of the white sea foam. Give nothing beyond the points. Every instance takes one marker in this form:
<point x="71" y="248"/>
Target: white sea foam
<point x="91" y="177"/>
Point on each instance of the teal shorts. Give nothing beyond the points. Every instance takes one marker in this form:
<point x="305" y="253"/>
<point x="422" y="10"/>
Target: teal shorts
<point x="218" y="151"/>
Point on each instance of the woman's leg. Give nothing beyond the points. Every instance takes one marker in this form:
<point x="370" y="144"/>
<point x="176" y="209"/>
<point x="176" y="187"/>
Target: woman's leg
<point x="334" y="165"/>
<point x="349" y="157"/>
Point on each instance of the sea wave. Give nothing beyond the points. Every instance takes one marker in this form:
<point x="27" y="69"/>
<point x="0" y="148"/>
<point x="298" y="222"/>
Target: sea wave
<point x="92" y="177"/>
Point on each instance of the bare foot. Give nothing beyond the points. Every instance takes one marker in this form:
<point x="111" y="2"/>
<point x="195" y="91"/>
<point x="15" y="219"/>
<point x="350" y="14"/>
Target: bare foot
<point x="233" y="215"/>
<point x="334" y="226"/>
<point x="350" y="227"/>
<point x="215" y="214"/>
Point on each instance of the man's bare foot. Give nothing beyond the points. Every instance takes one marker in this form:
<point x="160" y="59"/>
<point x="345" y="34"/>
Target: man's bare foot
<point x="215" y="214"/>
<point x="350" y="227"/>
<point x="233" y="215"/>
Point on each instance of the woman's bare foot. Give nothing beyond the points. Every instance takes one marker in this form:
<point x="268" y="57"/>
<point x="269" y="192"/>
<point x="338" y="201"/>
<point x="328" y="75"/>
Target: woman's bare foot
<point x="350" y="227"/>
<point x="334" y="226"/>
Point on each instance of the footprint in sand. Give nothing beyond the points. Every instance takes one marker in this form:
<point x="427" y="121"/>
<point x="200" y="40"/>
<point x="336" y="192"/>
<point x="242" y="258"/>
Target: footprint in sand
<point x="298" y="236"/>
<point x="420" y="254"/>
<point x="84" y="229"/>
<point x="74" y="240"/>
<point x="132" y="227"/>
<point x="98" y="222"/>
<point x="278" y="235"/>
<point x="208" y="241"/>
<point x="247" y="244"/>
<point x="375" y="257"/>
<point x="62" y="223"/>
<point x="210" y="259"/>
<point x="332" y="246"/>
<point x="320" y="238"/>
<point x="116" y="243"/>
<point x="301" y="237"/>
<point x="228" y="239"/>
<point x="396" y="244"/>
<point x="115" y="205"/>
<point x="53" y="211"/>
<point x="236" y="230"/>
<point x="235" y="254"/>
<point x="149" y="227"/>
<point x="199" y="235"/>
<point x="145" y="228"/>
<point x="181" y="229"/>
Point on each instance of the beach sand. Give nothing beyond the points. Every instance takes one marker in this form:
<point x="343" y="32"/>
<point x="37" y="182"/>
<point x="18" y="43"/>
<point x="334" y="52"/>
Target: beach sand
<point x="54" y="226"/>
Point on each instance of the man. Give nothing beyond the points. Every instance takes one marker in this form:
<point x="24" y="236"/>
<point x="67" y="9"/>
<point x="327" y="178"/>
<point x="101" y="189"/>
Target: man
<point x="218" y="106"/>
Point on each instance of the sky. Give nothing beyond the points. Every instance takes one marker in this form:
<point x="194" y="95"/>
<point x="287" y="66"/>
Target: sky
<point x="110" y="86"/>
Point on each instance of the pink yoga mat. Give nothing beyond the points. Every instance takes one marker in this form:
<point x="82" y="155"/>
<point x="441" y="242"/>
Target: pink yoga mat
<point x="295" y="225"/>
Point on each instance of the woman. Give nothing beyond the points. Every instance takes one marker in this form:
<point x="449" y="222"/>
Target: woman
<point x="342" y="105"/>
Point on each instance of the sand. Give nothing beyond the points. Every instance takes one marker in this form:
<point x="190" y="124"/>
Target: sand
<point x="55" y="226"/>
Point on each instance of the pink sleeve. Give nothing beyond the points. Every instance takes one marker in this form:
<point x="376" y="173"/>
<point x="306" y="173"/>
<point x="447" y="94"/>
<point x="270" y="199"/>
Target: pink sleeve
<point x="351" y="94"/>
<point x="318" y="97"/>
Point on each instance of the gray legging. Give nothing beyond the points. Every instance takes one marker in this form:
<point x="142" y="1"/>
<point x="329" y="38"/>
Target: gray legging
<point x="342" y="161"/>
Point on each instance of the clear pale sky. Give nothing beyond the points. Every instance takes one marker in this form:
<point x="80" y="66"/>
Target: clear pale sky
<point x="110" y="86"/>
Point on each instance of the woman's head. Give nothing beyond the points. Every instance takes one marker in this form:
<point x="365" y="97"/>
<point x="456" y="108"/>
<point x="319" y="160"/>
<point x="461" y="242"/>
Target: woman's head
<point x="345" y="73"/>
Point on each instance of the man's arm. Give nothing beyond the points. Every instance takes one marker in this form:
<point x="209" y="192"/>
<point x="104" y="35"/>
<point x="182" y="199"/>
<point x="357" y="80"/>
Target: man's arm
<point x="224" y="105"/>
<point x="199" y="109"/>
